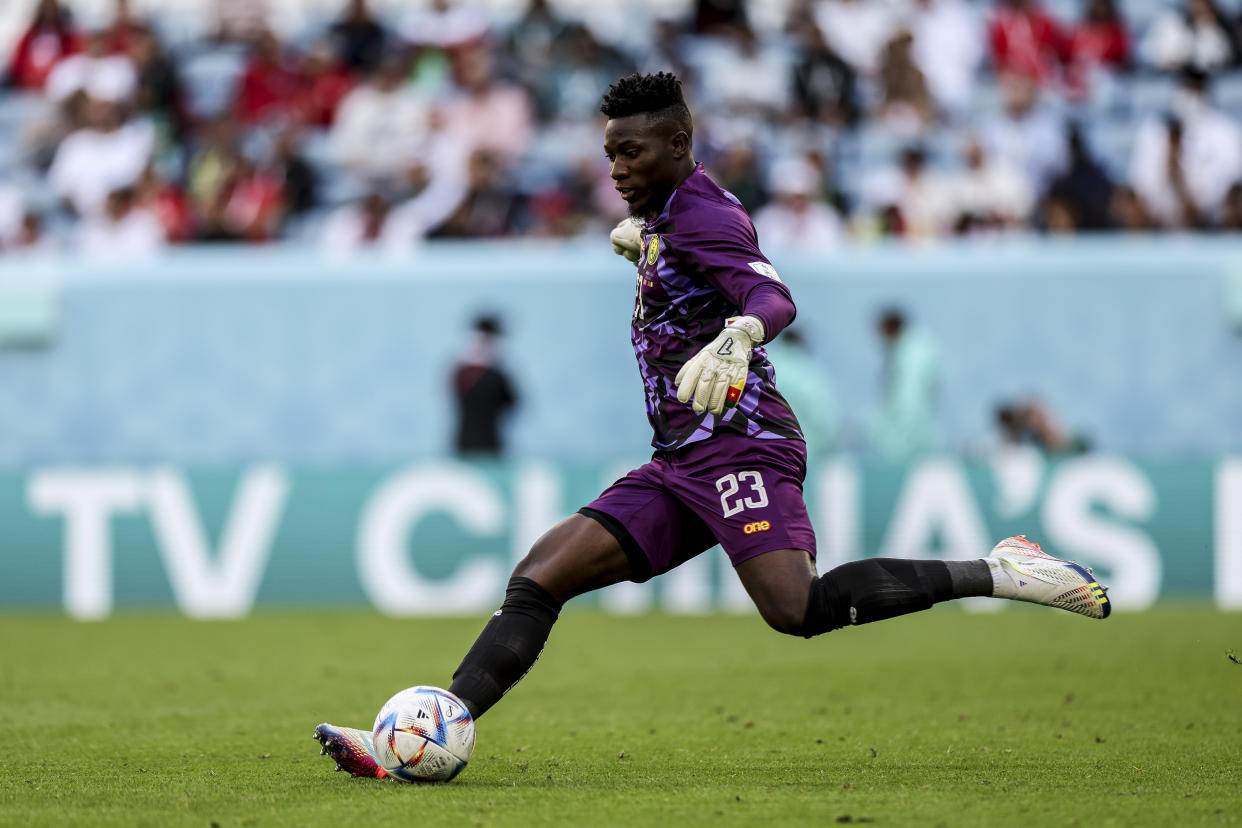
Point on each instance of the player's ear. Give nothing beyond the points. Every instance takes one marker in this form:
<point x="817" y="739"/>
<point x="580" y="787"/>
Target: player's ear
<point x="680" y="143"/>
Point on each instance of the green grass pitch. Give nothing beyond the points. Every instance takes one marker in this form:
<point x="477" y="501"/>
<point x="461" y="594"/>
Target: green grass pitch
<point x="1028" y="717"/>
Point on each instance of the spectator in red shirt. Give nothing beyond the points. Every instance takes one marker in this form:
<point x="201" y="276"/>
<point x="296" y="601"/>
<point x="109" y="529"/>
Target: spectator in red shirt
<point x="50" y="36"/>
<point x="267" y="86"/>
<point x="322" y="82"/>
<point x="1099" y="42"/>
<point x="1027" y="42"/>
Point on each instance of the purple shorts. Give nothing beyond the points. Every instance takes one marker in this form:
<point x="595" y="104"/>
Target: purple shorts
<point x="742" y="493"/>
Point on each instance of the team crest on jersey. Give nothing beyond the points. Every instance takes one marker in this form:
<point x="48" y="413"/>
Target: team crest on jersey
<point x="653" y="250"/>
<point x="764" y="269"/>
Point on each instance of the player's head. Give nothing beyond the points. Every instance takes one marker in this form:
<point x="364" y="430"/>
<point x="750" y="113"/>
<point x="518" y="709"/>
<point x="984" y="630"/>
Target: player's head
<point x="647" y="139"/>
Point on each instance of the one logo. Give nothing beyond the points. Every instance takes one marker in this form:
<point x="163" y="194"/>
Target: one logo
<point x="1021" y="583"/>
<point x="757" y="526"/>
<point x="853" y="615"/>
<point x="653" y="250"/>
<point x="496" y="613"/>
<point x="764" y="269"/>
<point x="726" y="347"/>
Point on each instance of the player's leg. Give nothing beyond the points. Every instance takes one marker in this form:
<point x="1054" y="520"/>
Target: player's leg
<point x="793" y="600"/>
<point x="875" y="589"/>
<point x="634" y="530"/>
<point x="576" y="556"/>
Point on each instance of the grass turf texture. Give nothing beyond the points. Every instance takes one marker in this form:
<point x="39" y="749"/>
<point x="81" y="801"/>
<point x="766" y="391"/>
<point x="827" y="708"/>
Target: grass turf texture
<point x="1029" y="717"/>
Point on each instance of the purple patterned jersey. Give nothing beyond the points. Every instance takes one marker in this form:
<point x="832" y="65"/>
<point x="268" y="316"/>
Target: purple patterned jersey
<point x="700" y="260"/>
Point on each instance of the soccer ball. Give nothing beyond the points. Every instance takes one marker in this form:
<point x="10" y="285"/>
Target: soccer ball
<point x="423" y="734"/>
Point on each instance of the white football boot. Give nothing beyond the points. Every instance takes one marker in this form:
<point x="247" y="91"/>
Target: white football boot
<point x="1024" y="572"/>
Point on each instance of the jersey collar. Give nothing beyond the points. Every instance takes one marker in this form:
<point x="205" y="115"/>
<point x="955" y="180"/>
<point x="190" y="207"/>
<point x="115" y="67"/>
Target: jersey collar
<point x="651" y="225"/>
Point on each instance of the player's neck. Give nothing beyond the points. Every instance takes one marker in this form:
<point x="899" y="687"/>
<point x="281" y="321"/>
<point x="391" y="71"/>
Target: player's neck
<point x="684" y="170"/>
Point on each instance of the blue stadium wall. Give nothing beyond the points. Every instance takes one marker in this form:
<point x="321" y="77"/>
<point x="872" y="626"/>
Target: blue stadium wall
<point x="226" y="429"/>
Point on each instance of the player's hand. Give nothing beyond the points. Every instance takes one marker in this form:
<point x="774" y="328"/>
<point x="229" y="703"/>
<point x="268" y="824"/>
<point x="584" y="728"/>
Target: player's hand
<point x="627" y="240"/>
<point x="716" y="375"/>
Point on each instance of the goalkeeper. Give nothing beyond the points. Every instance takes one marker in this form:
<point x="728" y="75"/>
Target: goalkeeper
<point x="729" y="457"/>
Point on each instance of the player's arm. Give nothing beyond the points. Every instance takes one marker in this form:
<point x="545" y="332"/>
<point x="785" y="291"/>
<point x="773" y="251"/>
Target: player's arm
<point x="727" y="255"/>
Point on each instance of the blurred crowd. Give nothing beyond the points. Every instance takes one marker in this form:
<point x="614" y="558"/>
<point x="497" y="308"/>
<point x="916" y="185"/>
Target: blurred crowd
<point x="833" y="121"/>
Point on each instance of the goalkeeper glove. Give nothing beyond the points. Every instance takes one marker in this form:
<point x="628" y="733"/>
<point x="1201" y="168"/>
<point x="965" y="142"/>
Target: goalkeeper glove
<point x="716" y="375"/>
<point x="627" y="240"/>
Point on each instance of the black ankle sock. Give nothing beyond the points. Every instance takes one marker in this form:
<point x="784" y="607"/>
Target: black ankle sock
<point x="507" y="648"/>
<point x="970" y="578"/>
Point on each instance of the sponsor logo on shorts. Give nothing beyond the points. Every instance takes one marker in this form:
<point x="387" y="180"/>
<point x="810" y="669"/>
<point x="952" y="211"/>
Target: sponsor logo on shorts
<point x="757" y="526"/>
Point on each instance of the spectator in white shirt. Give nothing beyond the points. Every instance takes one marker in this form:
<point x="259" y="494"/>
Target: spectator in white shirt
<point x="104" y="76"/>
<point x="1182" y="166"/>
<point x="948" y="48"/>
<point x="380" y="123"/>
<point x="857" y="30"/>
<point x="1027" y="135"/>
<point x="990" y="192"/>
<point x="1197" y="38"/>
<point x="105" y="155"/>
<point x="123" y="231"/>
<point x="798" y="217"/>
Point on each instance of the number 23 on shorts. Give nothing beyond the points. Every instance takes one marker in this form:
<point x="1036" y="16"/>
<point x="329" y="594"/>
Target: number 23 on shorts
<point x="734" y="499"/>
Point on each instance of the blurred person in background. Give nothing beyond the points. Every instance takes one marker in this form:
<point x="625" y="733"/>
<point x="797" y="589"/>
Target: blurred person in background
<point x="915" y="202"/>
<point x="380" y="123"/>
<point x="825" y="85"/>
<point x="1085" y="190"/>
<point x="578" y="72"/>
<point x="159" y="95"/>
<point x="1231" y="210"/>
<point x="1128" y="212"/>
<point x="107" y="154"/>
<point x="298" y="179"/>
<point x="166" y="201"/>
<point x="484" y="111"/>
<point x="857" y="30"/>
<point x="483" y="391"/>
<point x="1029" y="423"/>
<point x="989" y="193"/>
<point x="1027" y="42"/>
<point x="1184" y="163"/>
<point x="1026" y="134"/>
<point x="747" y="78"/>
<point x="907" y="422"/>
<point x="123" y="230"/>
<point x="906" y="102"/>
<point x="1099" y="48"/>
<point x="443" y="24"/>
<point x="239" y="21"/>
<point x="269" y="83"/>
<point x="97" y="72"/>
<point x="806" y="384"/>
<point x="322" y="83"/>
<point x="948" y="49"/>
<point x="798" y="217"/>
<point x="212" y="164"/>
<point x="356" y="225"/>
<point x="492" y="206"/>
<point x="736" y="169"/>
<point x="359" y="38"/>
<point x="1195" y="36"/>
<point x="50" y="36"/>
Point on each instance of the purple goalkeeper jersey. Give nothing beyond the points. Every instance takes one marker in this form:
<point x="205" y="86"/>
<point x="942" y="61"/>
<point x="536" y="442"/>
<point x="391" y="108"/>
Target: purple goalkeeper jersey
<point x="700" y="261"/>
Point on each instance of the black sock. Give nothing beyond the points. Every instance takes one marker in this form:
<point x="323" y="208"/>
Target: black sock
<point x="970" y="578"/>
<point x="507" y="648"/>
<point x="874" y="589"/>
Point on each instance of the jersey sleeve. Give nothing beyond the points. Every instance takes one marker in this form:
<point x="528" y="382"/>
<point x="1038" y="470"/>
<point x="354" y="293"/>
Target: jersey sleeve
<point x="722" y="248"/>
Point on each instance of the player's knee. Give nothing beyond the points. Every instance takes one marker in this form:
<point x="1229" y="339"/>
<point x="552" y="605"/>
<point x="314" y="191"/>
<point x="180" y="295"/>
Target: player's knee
<point x="784" y="618"/>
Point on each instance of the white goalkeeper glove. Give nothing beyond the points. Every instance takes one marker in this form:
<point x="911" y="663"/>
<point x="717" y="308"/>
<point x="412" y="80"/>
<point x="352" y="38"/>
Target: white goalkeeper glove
<point x="627" y="240"/>
<point x="716" y="376"/>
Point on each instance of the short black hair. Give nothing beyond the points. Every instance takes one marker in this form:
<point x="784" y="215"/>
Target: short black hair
<point x="658" y="96"/>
